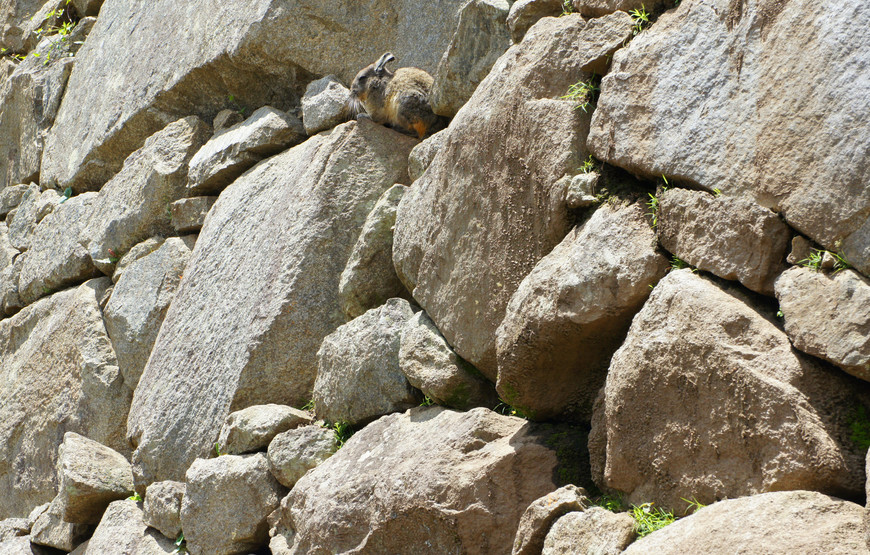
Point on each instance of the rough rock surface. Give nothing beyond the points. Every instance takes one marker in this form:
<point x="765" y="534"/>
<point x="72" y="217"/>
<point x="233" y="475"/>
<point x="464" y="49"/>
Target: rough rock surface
<point x="29" y="101"/>
<point x="597" y="8"/>
<point x="8" y="253"/>
<point x="139" y="303"/>
<point x="538" y="517"/>
<point x="91" y="476"/>
<point x="56" y="259"/>
<point x="262" y="56"/>
<point x="782" y="523"/>
<point x="733" y="238"/>
<point x="35" y="205"/>
<point x="141" y="250"/>
<point x="162" y="507"/>
<point x="369" y="278"/>
<point x="13" y="528"/>
<point x="481" y="37"/>
<point x="430" y="480"/>
<point x="358" y="375"/>
<point x="491" y="183"/>
<point x="721" y="113"/>
<point x="188" y="214"/>
<point x="10" y="197"/>
<point x="595" y="530"/>
<point x="570" y="314"/>
<point x="253" y="428"/>
<point x="57" y="373"/>
<point x="9" y="288"/>
<point x="226" y="504"/>
<point x="525" y="13"/>
<point x="423" y="154"/>
<point x="435" y="369"/>
<point x="229" y="153"/>
<point x="324" y="104"/>
<point x="295" y="452"/>
<point x="282" y="234"/>
<point x="225" y="119"/>
<point x="706" y="399"/>
<point x="134" y="205"/>
<point x="50" y="530"/>
<point x="14" y="16"/>
<point x="123" y="531"/>
<point x="828" y="316"/>
<point x="87" y="7"/>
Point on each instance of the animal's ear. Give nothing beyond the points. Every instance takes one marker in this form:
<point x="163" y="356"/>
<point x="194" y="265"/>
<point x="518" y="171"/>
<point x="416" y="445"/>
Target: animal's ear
<point x="383" y="61"/>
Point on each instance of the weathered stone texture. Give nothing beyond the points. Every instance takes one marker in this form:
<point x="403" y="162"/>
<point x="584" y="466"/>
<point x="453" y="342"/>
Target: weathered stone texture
<point x="188" y="214"/>
<point x="828" y="316"/>
<point x="123" y="531"/>
<point x="538" y="517"/>
<point x="57" y="373"/>
<point x="427" y="481"/>
<point x="324" y="104"/>
<point x="707" y="399"/>
<point x="525" y="13"/>
<point x="226" y="504"/>
<point x="259" y="294"/>
<point x="295" y="452"/>
<point x="721" y="113"/>
<point x="594" y="530"/>
<point x="370" y="279"/>
<point x="733" y="238"/>
<point x="358" y="374"/>
<point x="485" y="211"/>
<point x="779" y="523"/>
<point x="253" y="428"/>
<point x="139" y="303"/>
<point x="162" y="507"/>
<point x="135" y="204"/>
<point x="570" y="314"/>
<point x="50" y="530"/>
<point x="232" y="151"/>
<point x="263" y="55"/>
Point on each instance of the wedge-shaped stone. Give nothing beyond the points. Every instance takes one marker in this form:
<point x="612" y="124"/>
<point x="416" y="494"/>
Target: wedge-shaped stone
<point x="541" y="514"/>
<point x="828" y="316"/>
<point x="123" y="530"/>
<point x="232" y="151"/>
<point x="733" y="238"/>
<point x="263" y="55"/>
<point x="706" y="399"/>
<point x="91" y="476"/>
<point x="49" y="529"/>
<point x="778" y="523"/>
<point x="188" y="214"/>
<point x="162" y="507"/>
<point x="35" y="205"/>
<point x="570" y="314"/>
<point x="430" y="480"/>
<point x="720" y="115"/>
<point x="253" y="428"/>
<point x="226" y="503"/>
<point x="58" y="373"/>
<point x="135" y="204"/>
<point x="259" y="293"/>
<point x="324" y="104"/>
<point x="358" y="374"/>
<point x="295" y="452"/>
<point x="485" y="211"/>
<point x="139" y="303"/>
<point x="56" y="259"/>
<point x="369" y="279"/>
<point x="595" y="530"/>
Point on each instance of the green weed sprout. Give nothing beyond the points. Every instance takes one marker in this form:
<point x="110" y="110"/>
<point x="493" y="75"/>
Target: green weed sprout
<point x="648" y="519"/>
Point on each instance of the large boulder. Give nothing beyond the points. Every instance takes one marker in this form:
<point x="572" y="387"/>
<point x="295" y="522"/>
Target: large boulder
<point x="570" y="314"/>
<point x="135" y="204"/>
<point x="369" y="279"/>
<point x="828" y="316"/>
<point x="281" y="234"/>
<point x="139" y="303"/>
<point x="232" y="151"/>
<point x="56" y="259"/>
<point x="50" y="529"/>
<point x="706" y="399"/>
<point x="480" y="38"/>
<point x="721" y="114"/>
<point x="263" y="55"/>
<point x="540" y="515"/>
<point x="486" y="210"/>
<point x="226" y="503"/>
<point x="123" y="530"/>
<point x="778" y="523"/>
<point x="295" y="452"/>
<point x="58" y="374"/>
<point x="91" y="476"/>
<point x="733" y="238"/>
<point x="435" y="369"/>
<point x="162" y="507"/>
<point x="358" y="374"/>
<point x="430" y="480"/>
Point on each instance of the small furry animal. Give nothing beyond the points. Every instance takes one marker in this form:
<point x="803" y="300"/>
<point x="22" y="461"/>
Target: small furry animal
<point x="399" y="100"/>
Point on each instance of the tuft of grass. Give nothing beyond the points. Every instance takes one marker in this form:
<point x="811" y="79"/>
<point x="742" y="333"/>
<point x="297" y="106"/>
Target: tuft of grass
<point x="584" y="92"/>
<point x="641" y="19"/>
<point x="217" y="449"/>
<point x="692" y="504"/>
<point x="859" y="424"/>
<point x="309" y="406"/>
<point x="648" y="518"/>
<point x="567" y="7"/>
<point x="427" y="401"/>
<point x="135" y="497"/>
<point x="815" y="258"/>
<point x="717" y="192"/>
<point x="180" y="544"/>
<point x="678" y="263"/>
<point x="589" y="165"/>
<point x="653" y="205"/>
<point x="342" y="432"/>
<point x="613" y="503"/>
